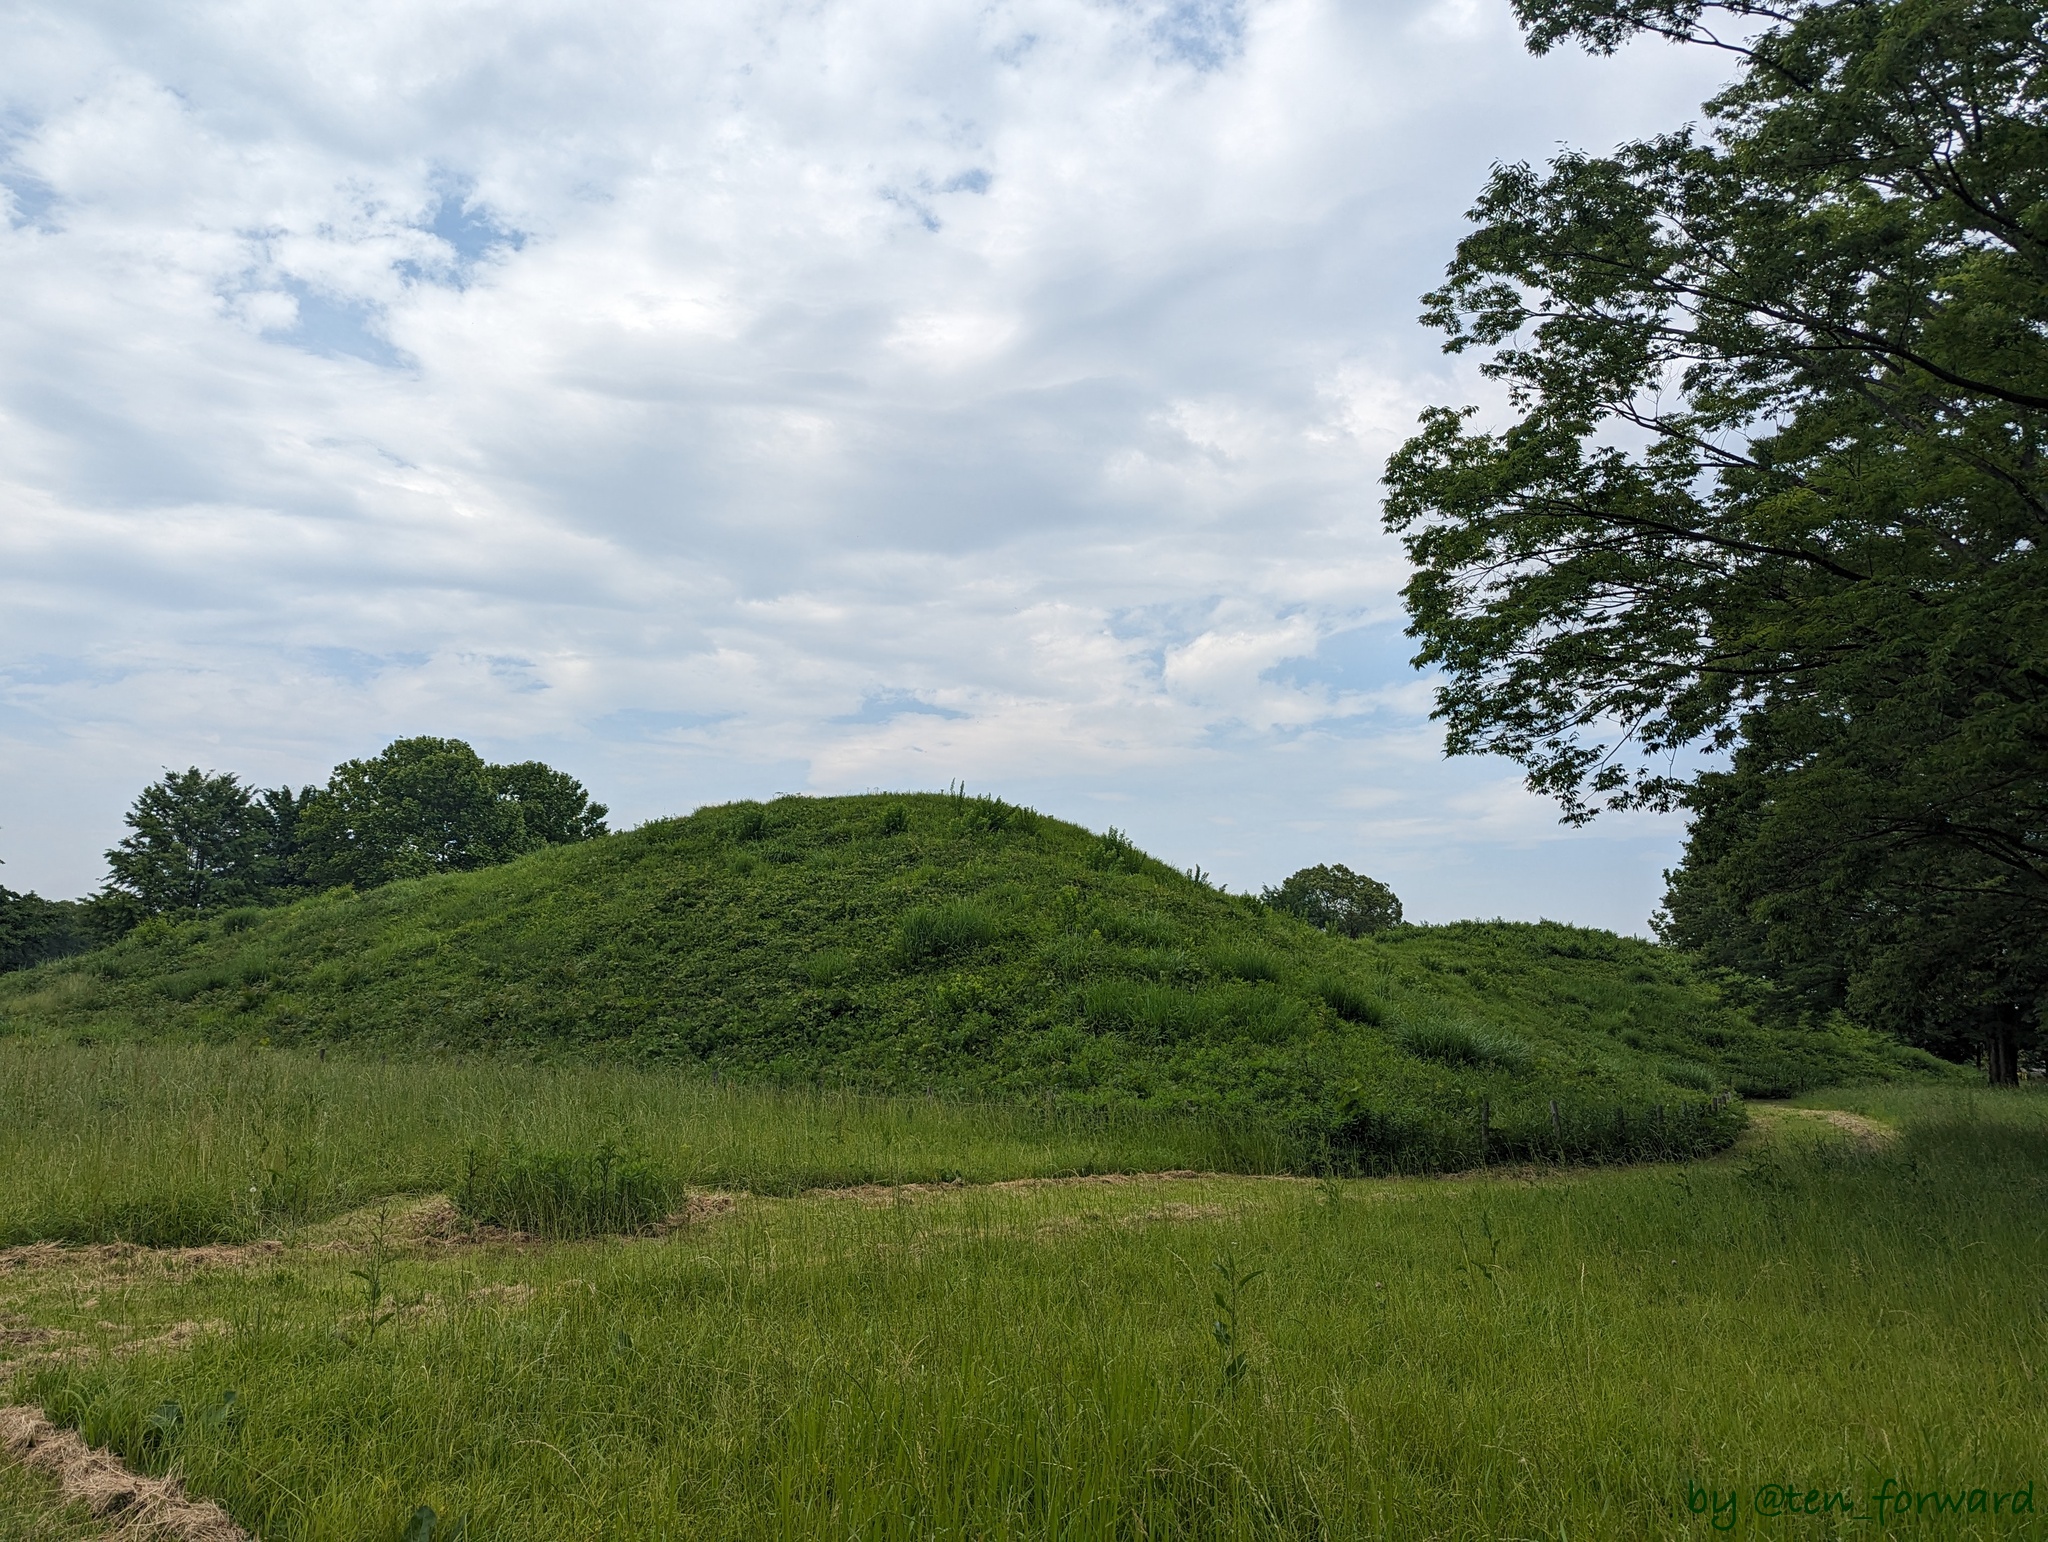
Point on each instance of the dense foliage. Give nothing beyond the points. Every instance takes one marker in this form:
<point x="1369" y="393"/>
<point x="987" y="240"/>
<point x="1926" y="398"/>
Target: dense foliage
<point x="201" y="840"/>
<point x="1774" y="488"/>
<point x="907" y="944"/>
<point x="1337" y="899"/>
<point x="34" y="930"/>
<point x="433" y="805"/>
<point x="205" y="841"/>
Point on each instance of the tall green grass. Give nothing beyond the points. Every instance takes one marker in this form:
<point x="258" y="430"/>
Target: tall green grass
<point x="1420" y="1358"/>
<point x="187" y="1145"/>
<point x="563" y="1194"/>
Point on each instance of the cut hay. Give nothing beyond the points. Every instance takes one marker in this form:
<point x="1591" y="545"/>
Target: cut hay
<point x="133" y="1505"/>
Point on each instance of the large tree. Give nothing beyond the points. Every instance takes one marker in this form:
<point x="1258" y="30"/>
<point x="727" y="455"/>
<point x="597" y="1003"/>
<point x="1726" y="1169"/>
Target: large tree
<point x="1761" y="538"/>
<point x="196" y="841"/>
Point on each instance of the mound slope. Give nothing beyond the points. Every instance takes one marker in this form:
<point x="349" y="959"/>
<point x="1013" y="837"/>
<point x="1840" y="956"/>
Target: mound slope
<point x="962" y="945"/>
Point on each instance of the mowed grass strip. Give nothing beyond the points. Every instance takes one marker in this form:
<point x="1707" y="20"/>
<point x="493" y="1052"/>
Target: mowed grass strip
<point x="1535" y="1356"/>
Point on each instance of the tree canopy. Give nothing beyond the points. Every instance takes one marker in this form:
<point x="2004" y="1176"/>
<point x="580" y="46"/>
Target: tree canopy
<point x="205" y="840"/>
<point x="197" y="840"/>
<point x="34" y="930"/>
<point x="1337" y="900"/>
<point x="1761" y="539"/>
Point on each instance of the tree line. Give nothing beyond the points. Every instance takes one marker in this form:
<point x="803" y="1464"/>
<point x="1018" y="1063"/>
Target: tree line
<point x="1762" y="538"/>
<point x="204" y="841"/>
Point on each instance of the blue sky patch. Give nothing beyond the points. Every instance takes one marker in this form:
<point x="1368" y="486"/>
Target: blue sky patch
<point x="334" y="327"/>
<point x="1365" y="658"/>
<point x="29" y="198"/>
<point x="471" y="230"/>
<point x="1207" y="34"/>
<point x="355" y="666"/>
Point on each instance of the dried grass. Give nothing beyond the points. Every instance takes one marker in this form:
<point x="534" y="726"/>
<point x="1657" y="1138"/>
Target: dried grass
<point x="137" y="1506"/>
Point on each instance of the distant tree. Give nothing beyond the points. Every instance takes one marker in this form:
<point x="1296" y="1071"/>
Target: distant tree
<point x="554" y="809"/>
<point x="427" y="805"/>
<point x="34" y="930"/>
<point x="202" y="841"/>
<point x="197" y="841"/>
<point x="1337" y="900"/>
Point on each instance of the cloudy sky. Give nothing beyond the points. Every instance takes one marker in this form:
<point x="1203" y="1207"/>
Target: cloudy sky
<point x="720" y="400"/>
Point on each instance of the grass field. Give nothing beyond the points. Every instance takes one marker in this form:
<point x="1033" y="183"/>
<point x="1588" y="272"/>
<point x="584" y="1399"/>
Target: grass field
<point x="1561" y="1353"/>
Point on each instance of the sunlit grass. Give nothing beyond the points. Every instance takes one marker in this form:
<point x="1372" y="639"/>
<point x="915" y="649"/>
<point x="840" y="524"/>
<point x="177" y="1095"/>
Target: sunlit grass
<point x="1542" y="1355"/>
<point x="192" y="1144"/>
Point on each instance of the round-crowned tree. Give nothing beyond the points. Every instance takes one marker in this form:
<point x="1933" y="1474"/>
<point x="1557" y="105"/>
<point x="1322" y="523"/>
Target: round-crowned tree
<point x="1338" y="900"/>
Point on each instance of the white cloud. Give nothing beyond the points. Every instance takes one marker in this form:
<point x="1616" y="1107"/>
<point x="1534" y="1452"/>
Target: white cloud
<point x="738" y="398"/>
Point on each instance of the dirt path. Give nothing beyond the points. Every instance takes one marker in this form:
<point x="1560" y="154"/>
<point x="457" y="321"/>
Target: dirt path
<point x="1866" y="1132"/>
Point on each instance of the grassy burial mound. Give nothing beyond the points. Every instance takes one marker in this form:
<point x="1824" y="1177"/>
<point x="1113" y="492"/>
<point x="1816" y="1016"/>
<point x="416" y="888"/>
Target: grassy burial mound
<point x="935" y="943"/>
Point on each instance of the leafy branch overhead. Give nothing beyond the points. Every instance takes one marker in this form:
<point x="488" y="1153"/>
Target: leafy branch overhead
<point x="1770" y="498"/>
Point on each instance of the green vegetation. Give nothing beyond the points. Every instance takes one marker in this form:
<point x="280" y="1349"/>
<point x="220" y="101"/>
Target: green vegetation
<point x="905" y="945"/>
<point x="1487" y="1356"/>
<point x="1336" y="899"/>
<point x="204" y="842"/>
<point x="33" y="1510"/>
<point x="34" y="930"/>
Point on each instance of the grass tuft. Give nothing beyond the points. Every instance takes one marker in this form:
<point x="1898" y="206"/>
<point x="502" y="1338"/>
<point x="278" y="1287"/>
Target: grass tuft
<point x="1688" y="1073"/>
<point x="1450" y="1041"/>
<point x="1349" y="1001"/>
<point x="928" y="934"/>
<point x="563" y="1194"/>
<point x="1249" y="964"/>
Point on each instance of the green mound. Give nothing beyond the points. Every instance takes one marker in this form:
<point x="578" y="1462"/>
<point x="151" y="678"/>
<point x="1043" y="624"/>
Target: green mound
<point x="963" y="946"/>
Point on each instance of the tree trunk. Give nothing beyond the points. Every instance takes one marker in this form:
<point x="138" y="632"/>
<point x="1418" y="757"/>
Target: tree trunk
<point x="2002" y="1048"/>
